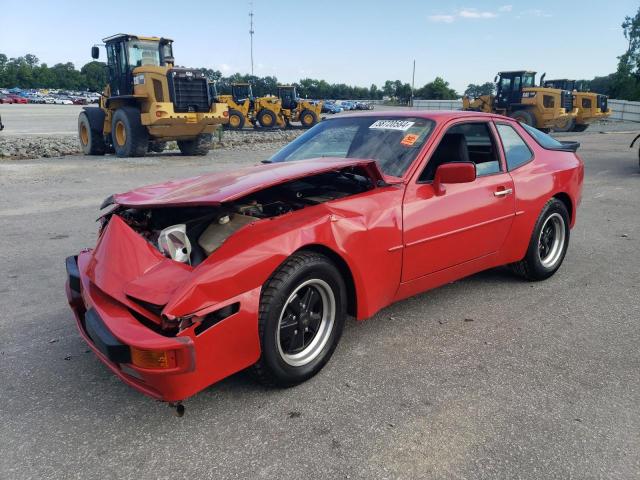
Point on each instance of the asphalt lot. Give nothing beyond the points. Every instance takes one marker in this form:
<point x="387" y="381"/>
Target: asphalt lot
<point x="488" y="377"/>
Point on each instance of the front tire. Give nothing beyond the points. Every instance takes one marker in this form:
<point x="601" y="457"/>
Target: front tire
<point x="199" y="146"/>
<point x="301" y="318"/>
<point x="548" y="244"/>
<point x="129" y="137"/>
<point x="308" y="118"/>
<point x="566" y="126"/>
<point x="236" y="120"/>
<point x="524" y="116"/>
<point x="580" y="128"/>
<point x="266" y="118"/>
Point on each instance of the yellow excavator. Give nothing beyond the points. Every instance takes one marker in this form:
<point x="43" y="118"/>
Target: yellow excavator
<point x="148" y="101"/>
<point x="517" y="96"/>
<point x="591" y="106"/>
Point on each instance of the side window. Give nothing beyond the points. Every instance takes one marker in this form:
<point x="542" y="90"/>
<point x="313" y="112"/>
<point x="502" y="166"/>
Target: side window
<point x="516" y="84"/>
<point x="505" y="84"/>
<point x="465" y="142"/>
<point x="516" y="150"/>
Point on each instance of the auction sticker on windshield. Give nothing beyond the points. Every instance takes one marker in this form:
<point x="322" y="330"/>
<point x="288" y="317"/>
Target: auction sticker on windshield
<point x="402" y="125"/>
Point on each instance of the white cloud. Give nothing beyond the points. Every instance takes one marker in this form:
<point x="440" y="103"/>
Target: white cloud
<point x="442" y="18"/>
<point x="535" y="12"/>
<point x="466" y="13"/>
<point x="473" y="13"/>
<point x="224" y="68"/>
<point x="505" y="8"/>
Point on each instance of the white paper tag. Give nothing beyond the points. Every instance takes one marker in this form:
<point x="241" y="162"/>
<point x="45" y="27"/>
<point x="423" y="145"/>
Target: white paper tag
<point x="392" y="124"/>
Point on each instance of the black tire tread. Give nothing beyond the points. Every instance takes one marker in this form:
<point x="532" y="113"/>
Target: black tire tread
<point x="523" y="268"/>
<point x="270" y="292"/>
<point x="233" y="111"/>
<point x="96" y="138"/>
<point x="137" y="138"/>
<point x="199" y="146"/>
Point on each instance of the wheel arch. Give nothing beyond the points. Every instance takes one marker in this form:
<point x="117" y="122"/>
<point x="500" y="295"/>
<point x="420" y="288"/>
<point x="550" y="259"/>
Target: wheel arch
<point x="568" y="203"/>
<point x="345" y="271"/>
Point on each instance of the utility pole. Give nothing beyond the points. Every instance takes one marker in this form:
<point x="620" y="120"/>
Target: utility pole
<point x="251" y="32"/>
<point x="413" y="79"/>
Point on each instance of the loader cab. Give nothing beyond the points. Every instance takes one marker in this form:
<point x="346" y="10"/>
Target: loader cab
<point x="288" y="96"/>
<point x="126" y="52"/>
<point x="561" y="84"/>
<point x="241" y="92"/>
<point x="509" y="87"/>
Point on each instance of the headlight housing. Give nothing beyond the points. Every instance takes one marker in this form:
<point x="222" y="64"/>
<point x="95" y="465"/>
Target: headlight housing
<point x="138" y="79"/>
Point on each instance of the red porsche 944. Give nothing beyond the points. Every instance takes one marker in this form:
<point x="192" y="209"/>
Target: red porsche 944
<point x="193" y="280"/>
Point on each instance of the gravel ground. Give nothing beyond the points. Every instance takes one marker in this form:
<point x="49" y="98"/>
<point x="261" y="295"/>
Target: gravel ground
<point x="488" y="377"/>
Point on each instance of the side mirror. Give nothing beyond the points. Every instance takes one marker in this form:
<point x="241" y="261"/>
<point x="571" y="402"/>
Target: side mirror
<point x="95" y="53"/>
<point x="454" y="172"/>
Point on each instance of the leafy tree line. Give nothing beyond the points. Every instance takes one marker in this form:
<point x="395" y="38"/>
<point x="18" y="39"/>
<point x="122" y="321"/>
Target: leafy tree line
<point x="28" y="72"/>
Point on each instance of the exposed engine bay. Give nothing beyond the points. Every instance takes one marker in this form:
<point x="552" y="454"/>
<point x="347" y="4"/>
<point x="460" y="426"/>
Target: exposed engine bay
<point x="191" y="234"/>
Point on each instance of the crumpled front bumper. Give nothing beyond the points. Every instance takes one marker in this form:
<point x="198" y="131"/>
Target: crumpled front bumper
<point x="201" y="359"/>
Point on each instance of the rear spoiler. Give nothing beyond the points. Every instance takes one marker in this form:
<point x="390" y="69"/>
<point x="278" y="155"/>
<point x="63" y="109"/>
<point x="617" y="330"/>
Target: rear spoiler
<point x="567" y="146"/>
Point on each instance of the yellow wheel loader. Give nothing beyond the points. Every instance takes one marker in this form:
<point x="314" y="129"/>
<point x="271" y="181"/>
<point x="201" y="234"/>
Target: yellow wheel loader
<point x="241" y="103"/>
<point x="295" y="109"/>
<point x="148" y="101"/>
<point x="591" y="106"/>
<point x="517" y="96"/>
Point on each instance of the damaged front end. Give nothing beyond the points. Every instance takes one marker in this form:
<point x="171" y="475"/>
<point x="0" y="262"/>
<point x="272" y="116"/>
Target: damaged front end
<point x="152" y="247"/>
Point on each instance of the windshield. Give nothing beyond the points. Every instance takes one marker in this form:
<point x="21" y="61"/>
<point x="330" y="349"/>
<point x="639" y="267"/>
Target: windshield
<point x="144" y="52"/>
<point x="393" y="142"/>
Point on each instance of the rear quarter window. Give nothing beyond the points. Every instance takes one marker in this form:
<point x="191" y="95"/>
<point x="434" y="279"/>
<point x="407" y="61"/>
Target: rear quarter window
<point x="516" y="150"/>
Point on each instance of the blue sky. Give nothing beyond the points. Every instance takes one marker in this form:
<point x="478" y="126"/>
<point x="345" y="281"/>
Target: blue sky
<point x="356" y="42"/>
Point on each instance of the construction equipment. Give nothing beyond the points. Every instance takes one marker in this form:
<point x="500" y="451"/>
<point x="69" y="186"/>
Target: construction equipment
<point x="148" y="101"/>
<point x="241" y="103"/>
<point x="295" y="109"/>
<point x="591" y="106"/>
<point x="518" y="97"/>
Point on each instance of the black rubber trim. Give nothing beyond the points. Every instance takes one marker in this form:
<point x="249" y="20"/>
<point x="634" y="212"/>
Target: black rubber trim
<point x="104" y="340"/>
<point x="73" y="273"/>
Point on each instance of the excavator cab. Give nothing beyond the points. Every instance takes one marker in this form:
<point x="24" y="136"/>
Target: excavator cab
<point x="509" y="87"/>
<point x="288" y="96"/>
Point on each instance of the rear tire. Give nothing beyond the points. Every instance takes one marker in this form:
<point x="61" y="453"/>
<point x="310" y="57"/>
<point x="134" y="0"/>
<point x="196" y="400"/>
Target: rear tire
<point x="129" y="137"/>
<point x="91" y="141"/>
<point x="157" y="147"/>
<point x="301" y="318"/>
<point x="236" y="120"/>
<point x="524" y="116"/>
<point x="548" y="244"/>
<point x="568" y="126"/>
<point x="199" y="146"/>
<point x="580" y="128"/>
<point x="308" y="118"/>
<point x="266" y="118"/>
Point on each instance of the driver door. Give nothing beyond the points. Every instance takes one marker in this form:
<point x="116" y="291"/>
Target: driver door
<point x="470" y="220"/>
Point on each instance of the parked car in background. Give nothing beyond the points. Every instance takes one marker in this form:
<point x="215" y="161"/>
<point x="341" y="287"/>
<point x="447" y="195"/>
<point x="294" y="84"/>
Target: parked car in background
<point x="5" y="98"/>
<point x="63" y="101"/>
<point x="347" y="105"/>
<point x="364" y="106"/>
<point x="17" y="98"/>
<point x="79" y="101"/>
<point x="330" y="107"/>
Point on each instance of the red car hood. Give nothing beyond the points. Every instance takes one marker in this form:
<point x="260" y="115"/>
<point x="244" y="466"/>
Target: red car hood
<point x="215" y="188"/>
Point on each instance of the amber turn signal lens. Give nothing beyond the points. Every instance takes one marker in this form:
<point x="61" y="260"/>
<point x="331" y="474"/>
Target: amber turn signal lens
<point x="153" y="358"/>
<point x="225" y="114"/>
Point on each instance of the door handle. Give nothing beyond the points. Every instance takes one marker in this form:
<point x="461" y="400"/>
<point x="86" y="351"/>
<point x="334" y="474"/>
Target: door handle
<point x="502" y="193"/>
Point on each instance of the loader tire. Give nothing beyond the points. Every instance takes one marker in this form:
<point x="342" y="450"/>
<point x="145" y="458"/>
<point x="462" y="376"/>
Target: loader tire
<point x="91" y="141"/>
<point x="236" y="120"/>
<point x="308" y="118"/>
<point x="567" y="126"/>
<point x="129" y="137"/>
<point x="199" y="146"/>
<point x="580" y="128"/>
<point x="524" y="116"/>
<point x="267" y="119"/>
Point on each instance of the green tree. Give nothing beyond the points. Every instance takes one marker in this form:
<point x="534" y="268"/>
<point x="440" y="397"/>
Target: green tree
<point x="475" y="91"/>
<point x="437" y="90"/>
<point x="94" y="76"/>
